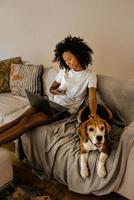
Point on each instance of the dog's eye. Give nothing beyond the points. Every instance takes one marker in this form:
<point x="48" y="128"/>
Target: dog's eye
<point x="91" y="129"/>
<point x="102" y="128"/>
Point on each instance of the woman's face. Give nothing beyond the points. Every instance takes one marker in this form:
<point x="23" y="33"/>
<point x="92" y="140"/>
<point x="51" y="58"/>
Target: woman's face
<point x="71" y="61"/>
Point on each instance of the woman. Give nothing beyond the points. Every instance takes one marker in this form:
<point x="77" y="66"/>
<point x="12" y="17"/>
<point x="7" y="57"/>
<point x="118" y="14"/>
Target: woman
<point x="69" y="88"/>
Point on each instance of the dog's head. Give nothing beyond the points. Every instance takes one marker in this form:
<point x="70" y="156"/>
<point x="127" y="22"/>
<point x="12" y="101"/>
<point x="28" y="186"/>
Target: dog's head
<point x="95" y="130"/>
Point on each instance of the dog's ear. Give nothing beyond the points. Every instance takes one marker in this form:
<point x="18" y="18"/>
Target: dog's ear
<point x="82" y="131"/>
<point x="79" y="115"/>
<point x="83" y="114"/>
<point x="107" y="126"/>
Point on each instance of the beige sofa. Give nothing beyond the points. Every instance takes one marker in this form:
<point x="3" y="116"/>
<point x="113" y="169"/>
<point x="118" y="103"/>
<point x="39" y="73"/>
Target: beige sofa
<point x="12" y="106"/>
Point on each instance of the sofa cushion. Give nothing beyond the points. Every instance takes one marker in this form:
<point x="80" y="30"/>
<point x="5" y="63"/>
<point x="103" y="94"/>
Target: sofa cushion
<point x="48" y="78"/>
<point x="25" y="77"/>
<point x="5" y="72"/>
<point x="10" y="104"/>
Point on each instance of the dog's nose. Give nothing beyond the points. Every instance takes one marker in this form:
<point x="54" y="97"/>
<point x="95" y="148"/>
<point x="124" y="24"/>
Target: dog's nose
<point x="99" y="138"/>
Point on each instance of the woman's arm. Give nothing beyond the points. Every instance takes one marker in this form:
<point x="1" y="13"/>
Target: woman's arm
<point x="92" y="101"/>
<point x="54" y="88"/>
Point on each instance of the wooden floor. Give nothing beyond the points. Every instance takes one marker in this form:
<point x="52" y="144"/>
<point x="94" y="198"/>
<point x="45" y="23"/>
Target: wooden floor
<point x="53" y="187"/>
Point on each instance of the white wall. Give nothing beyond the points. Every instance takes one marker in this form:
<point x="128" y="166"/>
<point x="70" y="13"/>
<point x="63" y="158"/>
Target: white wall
<point x="31" y="28"/>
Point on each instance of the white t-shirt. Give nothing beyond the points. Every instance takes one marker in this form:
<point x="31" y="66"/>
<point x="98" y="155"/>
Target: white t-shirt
<point x="75" y="83"/>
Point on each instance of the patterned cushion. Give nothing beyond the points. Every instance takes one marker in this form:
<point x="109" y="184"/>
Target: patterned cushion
<point x="25" y="77"/>
<point x="5" y="72"/>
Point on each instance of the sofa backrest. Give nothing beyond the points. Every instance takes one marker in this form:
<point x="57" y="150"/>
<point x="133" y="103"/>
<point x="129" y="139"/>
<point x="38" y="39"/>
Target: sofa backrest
<point x="48" y="78"/>
<point x="118" y="95"/>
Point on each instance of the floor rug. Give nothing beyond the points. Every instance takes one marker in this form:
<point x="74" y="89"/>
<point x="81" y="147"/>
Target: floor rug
<point x="20" y="190"/>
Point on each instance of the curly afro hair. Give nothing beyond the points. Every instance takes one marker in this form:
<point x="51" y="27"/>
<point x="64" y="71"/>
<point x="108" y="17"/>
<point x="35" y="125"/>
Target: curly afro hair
<point x="77" y="47"/>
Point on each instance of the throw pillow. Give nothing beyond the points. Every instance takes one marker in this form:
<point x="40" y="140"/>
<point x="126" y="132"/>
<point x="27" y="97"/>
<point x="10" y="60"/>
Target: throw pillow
<point x="25" y="77"/>
<point x="5" y="73"/>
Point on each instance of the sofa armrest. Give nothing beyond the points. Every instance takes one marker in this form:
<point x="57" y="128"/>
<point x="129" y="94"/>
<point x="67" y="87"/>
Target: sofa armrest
<point x="127" y="184"/>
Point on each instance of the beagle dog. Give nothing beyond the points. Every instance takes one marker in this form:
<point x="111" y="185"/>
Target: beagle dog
<point x="94" y="136"/>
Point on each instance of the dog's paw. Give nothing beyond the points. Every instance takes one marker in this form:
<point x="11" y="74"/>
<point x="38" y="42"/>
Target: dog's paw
<point x="101" y="172"/>
<point x="84" y="172"/>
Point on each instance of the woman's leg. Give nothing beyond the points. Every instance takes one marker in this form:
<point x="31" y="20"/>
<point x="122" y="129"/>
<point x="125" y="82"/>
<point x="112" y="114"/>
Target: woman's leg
<point x="24" y="124"/>
<point x="11" y="124"/>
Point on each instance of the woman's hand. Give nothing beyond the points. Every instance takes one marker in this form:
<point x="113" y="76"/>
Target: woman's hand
<point x="92" y="116"/>
<point x="56" y="91"/>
